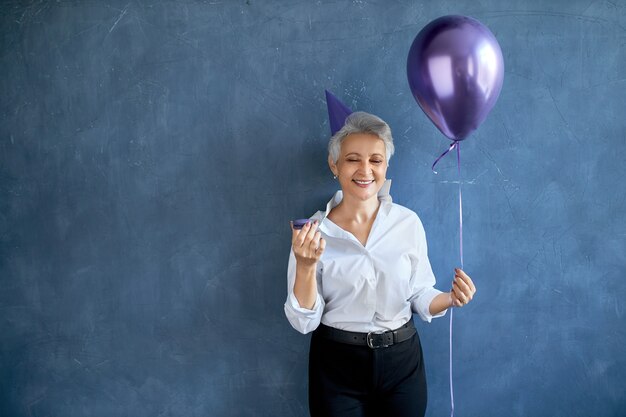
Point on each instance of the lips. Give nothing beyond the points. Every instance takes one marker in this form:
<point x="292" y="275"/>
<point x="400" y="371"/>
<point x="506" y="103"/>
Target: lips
<point x="363" y="183"/>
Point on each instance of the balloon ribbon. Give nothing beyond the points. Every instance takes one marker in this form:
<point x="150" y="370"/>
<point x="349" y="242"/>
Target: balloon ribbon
<point x="456" y="145"/>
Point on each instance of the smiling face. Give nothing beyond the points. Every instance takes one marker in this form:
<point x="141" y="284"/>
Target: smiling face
<point x="362" y="166"/>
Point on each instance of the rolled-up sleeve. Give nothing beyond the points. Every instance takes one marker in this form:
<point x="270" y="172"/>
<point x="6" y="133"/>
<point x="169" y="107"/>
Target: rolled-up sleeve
<point x="303" y="320"/>
<point x="422" y="277"/>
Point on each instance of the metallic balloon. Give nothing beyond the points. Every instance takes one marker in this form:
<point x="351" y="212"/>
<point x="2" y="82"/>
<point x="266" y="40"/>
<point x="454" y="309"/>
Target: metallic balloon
<point x="455" y="70"/>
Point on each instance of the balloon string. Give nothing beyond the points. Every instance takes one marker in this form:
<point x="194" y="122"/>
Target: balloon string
<point x="456" y="145"/>
<point x="451" y="388"/>
<point x="458" y="161"/>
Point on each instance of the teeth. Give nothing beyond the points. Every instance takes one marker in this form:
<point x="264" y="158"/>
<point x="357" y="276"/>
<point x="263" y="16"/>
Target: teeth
<point x="363" y="182"/>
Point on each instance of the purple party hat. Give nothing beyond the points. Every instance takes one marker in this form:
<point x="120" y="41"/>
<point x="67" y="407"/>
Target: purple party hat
<point x="337" y="112"/>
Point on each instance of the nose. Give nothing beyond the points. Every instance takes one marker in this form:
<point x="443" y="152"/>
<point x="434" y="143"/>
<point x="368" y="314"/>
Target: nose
<point x="366" y="167"/>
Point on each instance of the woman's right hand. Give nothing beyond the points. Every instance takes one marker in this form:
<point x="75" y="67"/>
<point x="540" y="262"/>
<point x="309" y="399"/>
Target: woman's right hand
<point x="308" y="244"/>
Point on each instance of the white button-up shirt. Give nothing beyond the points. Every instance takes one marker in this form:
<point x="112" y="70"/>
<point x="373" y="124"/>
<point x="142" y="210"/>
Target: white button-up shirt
<point x="373" y="287"/>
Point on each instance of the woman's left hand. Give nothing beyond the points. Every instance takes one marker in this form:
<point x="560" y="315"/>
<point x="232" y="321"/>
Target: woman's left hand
<point x="463" y="288"/>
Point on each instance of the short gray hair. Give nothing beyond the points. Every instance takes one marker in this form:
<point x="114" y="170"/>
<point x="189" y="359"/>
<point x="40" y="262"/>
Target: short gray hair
<point x="361" y="122"/>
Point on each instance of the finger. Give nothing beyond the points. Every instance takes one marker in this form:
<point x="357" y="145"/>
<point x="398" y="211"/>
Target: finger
<point x="463" y="286"/>
<point x="299" y="236"/>
<point x="471" y="284"/>
<point x="319" y="250"/>
<point x="456" y="301"/>
<point x="465" y="295"/>
<point x="322" y="246"/>
<point x="310" y="234"/>
<point x="459" y="293"/>
<point x="315" y="242"/>
<point x="294" y="232"/>
<point x="460" y="273"/>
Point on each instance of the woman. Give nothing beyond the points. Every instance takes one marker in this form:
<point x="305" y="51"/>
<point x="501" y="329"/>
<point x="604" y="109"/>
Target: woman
<point x="356" y="274"/>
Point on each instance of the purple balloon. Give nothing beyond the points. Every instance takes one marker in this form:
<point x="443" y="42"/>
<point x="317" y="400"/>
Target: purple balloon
<point x="455" y="70"/>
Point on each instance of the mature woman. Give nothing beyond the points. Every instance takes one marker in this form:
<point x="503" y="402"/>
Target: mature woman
<point x="357" y="272"/>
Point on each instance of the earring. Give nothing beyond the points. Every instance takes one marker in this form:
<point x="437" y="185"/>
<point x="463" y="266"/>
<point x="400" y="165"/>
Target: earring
<point x="334" y="177"/>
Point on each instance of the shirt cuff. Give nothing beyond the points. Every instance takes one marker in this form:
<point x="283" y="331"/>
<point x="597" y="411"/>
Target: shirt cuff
<point x="302" y="319"/>
<point x="296" y="305"/>
<point x="421" y="305"/>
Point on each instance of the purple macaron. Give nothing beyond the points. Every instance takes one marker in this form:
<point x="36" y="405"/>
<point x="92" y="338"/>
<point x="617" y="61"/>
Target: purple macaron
<point x="299" y="224"/>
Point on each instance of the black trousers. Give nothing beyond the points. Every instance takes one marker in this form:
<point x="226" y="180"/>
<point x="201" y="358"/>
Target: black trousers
<point x="356" y="381"/>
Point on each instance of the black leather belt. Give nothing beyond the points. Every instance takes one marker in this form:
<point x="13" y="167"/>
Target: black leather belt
<point x="374" y="340"/>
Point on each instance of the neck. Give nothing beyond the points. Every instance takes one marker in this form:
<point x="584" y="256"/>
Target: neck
<point x="359" y="211"/>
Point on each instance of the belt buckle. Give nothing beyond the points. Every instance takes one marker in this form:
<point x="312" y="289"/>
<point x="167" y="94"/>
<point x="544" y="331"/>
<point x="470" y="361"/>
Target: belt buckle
<point x="370" y="341"/>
